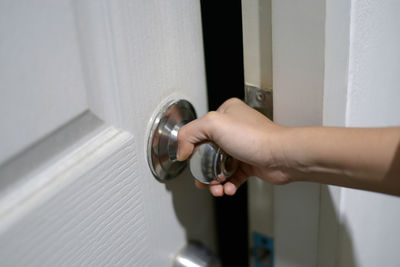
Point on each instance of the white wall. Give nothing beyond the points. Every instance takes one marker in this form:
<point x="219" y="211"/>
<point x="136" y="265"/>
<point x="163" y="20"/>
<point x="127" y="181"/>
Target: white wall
<point x="373" y="99"/>
<point x="362" y="38"/>
<point x="336" y="59"/>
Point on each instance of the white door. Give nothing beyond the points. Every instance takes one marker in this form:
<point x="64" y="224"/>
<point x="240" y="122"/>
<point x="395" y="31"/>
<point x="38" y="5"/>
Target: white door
<point x="79" y="83"/>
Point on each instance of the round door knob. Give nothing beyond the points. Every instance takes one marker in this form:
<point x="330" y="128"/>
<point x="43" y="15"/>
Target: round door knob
<point x="162" y="143"/>
<point x="210" y="163"/>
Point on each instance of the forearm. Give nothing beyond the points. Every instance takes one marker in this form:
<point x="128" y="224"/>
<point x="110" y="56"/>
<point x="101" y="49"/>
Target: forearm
<point x="359" y="158"/>
<point x="352" y="157"/>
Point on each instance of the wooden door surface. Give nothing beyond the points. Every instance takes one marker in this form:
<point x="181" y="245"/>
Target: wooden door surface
<point x="80" y="82"/>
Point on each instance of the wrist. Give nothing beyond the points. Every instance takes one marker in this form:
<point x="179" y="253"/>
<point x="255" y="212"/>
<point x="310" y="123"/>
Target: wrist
<point x="297" y="152"/>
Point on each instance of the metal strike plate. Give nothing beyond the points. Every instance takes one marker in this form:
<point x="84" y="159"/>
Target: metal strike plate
<point x="162" y="143"/>
<point x="259" y="99"/>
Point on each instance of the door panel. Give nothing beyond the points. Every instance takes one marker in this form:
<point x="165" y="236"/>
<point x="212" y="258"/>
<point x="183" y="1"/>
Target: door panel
<point x="42" y="84"/>
<point x="92" y="200"/>
<point x="88" y="211"/>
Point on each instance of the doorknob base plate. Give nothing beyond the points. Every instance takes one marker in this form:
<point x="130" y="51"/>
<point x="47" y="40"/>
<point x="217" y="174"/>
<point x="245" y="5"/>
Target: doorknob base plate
<point x="162" y="143"/>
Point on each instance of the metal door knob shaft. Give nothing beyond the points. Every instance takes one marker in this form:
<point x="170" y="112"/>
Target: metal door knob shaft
<point x="208" y="162"/>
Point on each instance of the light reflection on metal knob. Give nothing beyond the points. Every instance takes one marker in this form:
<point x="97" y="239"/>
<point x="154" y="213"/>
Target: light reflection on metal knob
<point x="209" y="162"/>
<point x="196" y="255"/>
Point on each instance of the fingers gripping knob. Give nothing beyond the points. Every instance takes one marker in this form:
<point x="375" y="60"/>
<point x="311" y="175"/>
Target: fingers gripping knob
<point x="207" y="163"/>
<point x="210" y="163"/>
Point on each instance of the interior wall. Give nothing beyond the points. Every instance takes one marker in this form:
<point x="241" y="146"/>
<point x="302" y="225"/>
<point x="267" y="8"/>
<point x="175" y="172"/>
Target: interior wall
<point x="336" y="68"/>
<point x="362" y="61"/>
<point x="372" y="220"/>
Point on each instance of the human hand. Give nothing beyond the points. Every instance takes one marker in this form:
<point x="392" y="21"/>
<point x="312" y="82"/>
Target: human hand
<point x="246" y="135"/>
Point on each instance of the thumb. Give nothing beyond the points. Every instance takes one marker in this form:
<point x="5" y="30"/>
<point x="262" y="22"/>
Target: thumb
<point x="193" y="133"/>
<point x="185" y="149"/>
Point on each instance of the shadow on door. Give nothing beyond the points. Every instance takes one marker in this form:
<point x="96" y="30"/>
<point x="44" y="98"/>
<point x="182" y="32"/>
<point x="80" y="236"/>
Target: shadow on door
<point x="192" y="208"/>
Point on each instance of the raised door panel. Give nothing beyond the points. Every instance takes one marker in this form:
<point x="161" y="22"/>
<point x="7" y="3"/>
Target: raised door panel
<point x="86" y="209"/>
<point x="84" y="193"/>
<point x="42" y="85"/>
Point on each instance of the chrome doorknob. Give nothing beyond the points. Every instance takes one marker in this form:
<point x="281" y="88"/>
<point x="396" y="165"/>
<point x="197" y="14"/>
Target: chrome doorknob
<point x="208" y="162"/>
<point x="163" y="139"/>
<point x="195" y="254"/>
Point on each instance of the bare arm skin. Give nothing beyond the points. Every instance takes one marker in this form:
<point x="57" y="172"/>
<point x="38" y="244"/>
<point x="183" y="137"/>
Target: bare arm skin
<point x="366" y="158"/>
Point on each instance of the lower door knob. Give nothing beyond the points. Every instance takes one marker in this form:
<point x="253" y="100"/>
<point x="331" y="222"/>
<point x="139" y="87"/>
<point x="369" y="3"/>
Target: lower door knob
<point x="196" y="255"/>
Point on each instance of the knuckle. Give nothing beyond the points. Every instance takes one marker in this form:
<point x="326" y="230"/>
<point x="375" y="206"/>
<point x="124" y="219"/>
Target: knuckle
<point x="229" y="103"/>
<point x="212" y="116"/>
<point x="233" y="101"/>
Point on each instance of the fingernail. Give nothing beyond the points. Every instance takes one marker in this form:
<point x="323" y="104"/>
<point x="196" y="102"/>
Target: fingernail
<point x="179" y="157"/>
